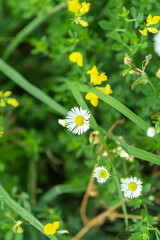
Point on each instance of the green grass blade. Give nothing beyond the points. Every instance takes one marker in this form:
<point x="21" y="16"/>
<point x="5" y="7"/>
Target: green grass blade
<point x="22" y="212"/>
<point x="75" y="91"/>
<point x="30" y="88"/>
<point x="60" y="189"/>
<point x="116" y="105"/>
<point x="35" y="23"/>
<point x="136" y="152"/>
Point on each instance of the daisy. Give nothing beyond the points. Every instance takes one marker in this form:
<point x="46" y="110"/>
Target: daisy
<point x="77" y="120"/>
<point x="157" y="43"/>
<point x="131" y="187"/>
<point x="101" y="174"/>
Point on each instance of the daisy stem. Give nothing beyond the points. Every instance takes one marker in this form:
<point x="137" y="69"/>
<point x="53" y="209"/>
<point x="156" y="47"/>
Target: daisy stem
<point x="76" y="93"/>
<point x="116" y="178"/>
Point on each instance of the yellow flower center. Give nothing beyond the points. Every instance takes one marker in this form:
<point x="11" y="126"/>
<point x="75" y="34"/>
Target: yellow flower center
<point x="103" y="174"/>
<point x="79" y="120"/>
<point x="132" y="186"/>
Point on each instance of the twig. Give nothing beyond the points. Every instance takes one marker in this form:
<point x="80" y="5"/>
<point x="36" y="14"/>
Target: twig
<point x="94" y="221"/>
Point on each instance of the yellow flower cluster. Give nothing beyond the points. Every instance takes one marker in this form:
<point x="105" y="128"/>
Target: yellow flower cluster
<point x="51" y="228"/>
<point x="77" y="58"/>
<point x="150" y="21"/>
<point x="79" y="9"/>
<point x="97" y="79"/>
<point x="5" y="99"/>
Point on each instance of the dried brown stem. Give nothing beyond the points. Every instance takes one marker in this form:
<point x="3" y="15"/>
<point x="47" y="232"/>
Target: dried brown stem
<point x="85" y="199"/>
<point x="115" y="124"/>
<point x="95" y="221"/>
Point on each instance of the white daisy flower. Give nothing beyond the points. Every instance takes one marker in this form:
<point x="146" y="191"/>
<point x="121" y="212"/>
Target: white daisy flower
<point x="131" y="187"/>
<point x="77" y="120"/>
<point x="157" y="43"/>
<point x="101" y="174"/>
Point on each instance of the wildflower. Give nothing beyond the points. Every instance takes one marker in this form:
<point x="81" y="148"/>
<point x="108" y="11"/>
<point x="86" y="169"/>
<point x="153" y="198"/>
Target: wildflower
<point x="131" y="187"/>
<point x="127" y="60"/>
<point x="157" y="43"/>
<point x="79" y="10"/>
<point x="151" y="132"/>
<point x="17" y="227"/>
<point x="77" y="58"/>
<point x="78" y="20"/>
<point x="62" y="122"/>
<point x="93" y="98"/>
<point x="74" y="6"/>
<point x="51" y="228"/>
<point x="77" y="120"/>
<point x="5" y="99"/>
<point x="101" y="174"/>
<point x="107" y="89"/>
<point x="93" y="137"/>
<point x="95" y="77"/>
<point x="150" y="21"/>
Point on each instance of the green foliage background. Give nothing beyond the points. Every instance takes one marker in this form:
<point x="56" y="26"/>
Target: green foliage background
<point x="44" y="167"/>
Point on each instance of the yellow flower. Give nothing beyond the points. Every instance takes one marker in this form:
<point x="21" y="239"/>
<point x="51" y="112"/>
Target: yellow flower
<point x="13" y="102"/>
<point x="77" y="58"/>
<point x="152" y="21"/>
<point x="74" y="6"/>
<point x="152" y="30"/>
<point x="51" y="228"/>
<point x="144" y="32"/>
<point x="107" y="89"/>
<point x="95" y="77"/>
<point x="4" y="99"/>
<point x="81" y="22"/>
<point x="84" y="8"/>
<point x="93" y="71"/>
<point x="93" y="98"/>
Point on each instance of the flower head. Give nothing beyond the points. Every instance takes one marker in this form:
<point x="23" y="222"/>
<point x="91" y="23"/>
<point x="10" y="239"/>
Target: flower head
<point x="74" y="6"/>
<point x="107" y="89"/>
<point x="93" y="98"/>
<point x="77" y="120"/>
<point x="95" y="77"/>
<point x="150" y="21"/>
<point x="5" y="98"/>
<point x="51" y="228"/>
<point x="101" y="174"/>
<point x="151" y="131"/>
<point x="131" y="187"/>
<point x="157" y="43"/>
<point x="77" y="58"/>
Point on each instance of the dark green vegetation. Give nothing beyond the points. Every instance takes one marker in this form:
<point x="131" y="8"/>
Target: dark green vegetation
<point x="43" y="167"/>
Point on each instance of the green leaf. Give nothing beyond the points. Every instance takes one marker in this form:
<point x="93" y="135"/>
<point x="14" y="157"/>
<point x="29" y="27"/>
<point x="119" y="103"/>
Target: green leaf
<point x="116" y="36"/>
<point x="147" y="187"/>
<point x="133" y="12"/>
<point x="140" y="80"/>
<point x="60" y="189"/>
<point x="104" y="25"/>
<point x="136" y="24"/>
<point x="140" y="17"/>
